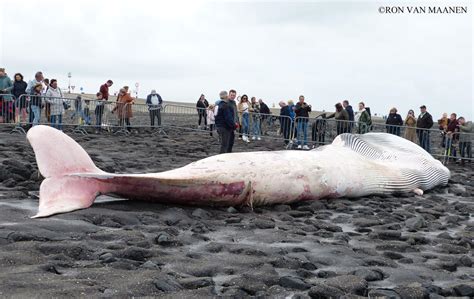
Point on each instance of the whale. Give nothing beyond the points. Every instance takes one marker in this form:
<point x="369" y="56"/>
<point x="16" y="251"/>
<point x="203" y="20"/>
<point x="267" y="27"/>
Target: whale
<point x="351" y="166"/>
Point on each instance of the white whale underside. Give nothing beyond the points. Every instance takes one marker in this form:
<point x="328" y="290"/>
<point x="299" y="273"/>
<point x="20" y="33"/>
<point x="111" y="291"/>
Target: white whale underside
<point x="352" y="166"/>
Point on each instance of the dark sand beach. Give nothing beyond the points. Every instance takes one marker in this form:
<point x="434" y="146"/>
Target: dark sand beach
<point x="403" y="246"/>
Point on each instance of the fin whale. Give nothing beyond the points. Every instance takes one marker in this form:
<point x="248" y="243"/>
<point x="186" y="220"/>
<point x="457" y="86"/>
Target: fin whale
<point x="351" y="166"/>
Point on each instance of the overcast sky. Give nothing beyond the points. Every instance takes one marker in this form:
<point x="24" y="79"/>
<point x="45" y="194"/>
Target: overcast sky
<point x="327" y="50"/>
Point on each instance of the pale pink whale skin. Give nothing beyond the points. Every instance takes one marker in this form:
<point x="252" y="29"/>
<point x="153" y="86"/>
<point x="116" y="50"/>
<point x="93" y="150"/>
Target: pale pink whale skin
<point x="72" y="181"/>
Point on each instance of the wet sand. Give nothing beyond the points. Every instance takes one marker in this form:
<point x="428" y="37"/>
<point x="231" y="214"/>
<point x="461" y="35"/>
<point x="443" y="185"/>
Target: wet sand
<point x="403" y="246"/>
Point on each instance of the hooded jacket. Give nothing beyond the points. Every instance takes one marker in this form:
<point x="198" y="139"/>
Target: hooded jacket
<point x="5" y="83"/>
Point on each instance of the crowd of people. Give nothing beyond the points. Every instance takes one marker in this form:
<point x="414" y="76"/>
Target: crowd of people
<point x="229" y="115"/>
<point x="22" y="102"/>
<point x="294" y="118"/>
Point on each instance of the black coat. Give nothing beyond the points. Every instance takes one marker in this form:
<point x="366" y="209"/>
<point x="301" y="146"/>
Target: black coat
<point x="350" y="111"/>
<point x="225" y="116"/>
<point x="425" y="122"/>
<point x="394" y="119"/>
<point x="264" y="109"/>
<point x="19" y="88"/>
<point x="302" y="110"/>
<point x="148" y="99"/>
<point x="201" y="104"/>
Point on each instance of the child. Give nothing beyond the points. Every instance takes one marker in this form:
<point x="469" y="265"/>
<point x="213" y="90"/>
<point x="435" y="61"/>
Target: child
<point x="211" y="118"/>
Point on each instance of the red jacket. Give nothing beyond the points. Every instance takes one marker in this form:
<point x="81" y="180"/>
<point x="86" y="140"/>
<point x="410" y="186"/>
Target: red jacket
<point x="104" y="89"/>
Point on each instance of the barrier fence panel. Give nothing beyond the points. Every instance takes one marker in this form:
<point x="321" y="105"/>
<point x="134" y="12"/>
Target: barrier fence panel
<point x="318" y="131"/>
<point x="78" y="114"/>
<point x="185" y="117"/>
<point x="7" y="108"/>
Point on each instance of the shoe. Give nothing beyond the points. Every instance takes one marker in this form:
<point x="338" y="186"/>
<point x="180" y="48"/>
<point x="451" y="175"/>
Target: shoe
<point x="306" y="147"/>
<point x="253" y="138"/>
<point x="299" y="146"/>
<point x="259" y="138"/>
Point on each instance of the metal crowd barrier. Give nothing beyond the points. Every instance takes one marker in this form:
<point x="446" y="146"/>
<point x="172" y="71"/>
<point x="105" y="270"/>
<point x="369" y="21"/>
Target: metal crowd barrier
<point x="7" y="108"/>
<point x="442" y="145"/>
<point x="260" y="125"/>
<point x="112" y="116"/>
<point x="321" y="131"/>
<point x="76" y="114"/>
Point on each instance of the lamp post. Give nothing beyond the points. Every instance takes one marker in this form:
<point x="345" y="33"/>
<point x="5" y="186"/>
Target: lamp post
<point x="69" y="75"/>
<point x="136" y="89"/>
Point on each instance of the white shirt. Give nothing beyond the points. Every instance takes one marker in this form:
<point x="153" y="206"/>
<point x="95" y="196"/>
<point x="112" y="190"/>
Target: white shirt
<point x="154" y="100"/>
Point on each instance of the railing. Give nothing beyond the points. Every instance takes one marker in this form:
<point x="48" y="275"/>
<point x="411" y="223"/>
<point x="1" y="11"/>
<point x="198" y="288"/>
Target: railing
<point x="85" y="115"/>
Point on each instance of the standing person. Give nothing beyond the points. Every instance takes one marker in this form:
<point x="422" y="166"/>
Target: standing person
<point x="266" y="116"/>
<point x="37" y="80"/>
<point x="201" y="107"/>
<point x="466" y="129"/>
<point x="124" y="108"/>
<point x="104" y="89"/>
<point x="423" y="124"/>
<point x="292" y="108"/>
<point x="36" y="103"/>
<point x="54" y="97"/>
<point x="29" y="89"/>
<point x="19" y="89"/>
<point x="410" y="123"/>
<point x="154" y="102"/>
<point x="318" y="129"/>
<point x="350" y="112"/>
<point x="78" y="110"/>
<point x="47" y="106"/>
<point x="342" y="119"/>
<point x="233" y="105"/>
<point x="86" y="112"/>
<point x="225" y="123"/>
<point x="442" y="125"/>
<point x="285" y="121"/>
<point x="256" y="119"/>
<point x="6" y="85"/>
<point x="211" y="119"/>
<point x="394" y="122"/>
<point x="244" y="109"/>
<point x="99" y="111"/>
<point x="452" y="135"/>
<point x="363" y="119"/>
<point x="302" y="110"/>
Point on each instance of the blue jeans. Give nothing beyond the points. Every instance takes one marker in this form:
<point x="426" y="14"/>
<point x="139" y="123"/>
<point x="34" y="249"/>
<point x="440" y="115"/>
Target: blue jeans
<point x="57" y="121"/>
<point x="424" y="139"/>
<point x="99" y="113"/>
<point x="256" y="126"/>
<point x="245" y="123"/>
<point x="36" y="111"/>
<point x="450" y="149"/>
<point x="302" y="128"/>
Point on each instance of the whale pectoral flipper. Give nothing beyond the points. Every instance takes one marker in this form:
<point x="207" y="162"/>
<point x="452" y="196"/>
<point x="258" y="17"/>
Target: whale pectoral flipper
<point x="418" y="191"/>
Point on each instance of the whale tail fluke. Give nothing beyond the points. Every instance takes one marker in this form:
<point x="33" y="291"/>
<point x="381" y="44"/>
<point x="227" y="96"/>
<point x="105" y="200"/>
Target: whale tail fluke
<point x="58" y="157"/>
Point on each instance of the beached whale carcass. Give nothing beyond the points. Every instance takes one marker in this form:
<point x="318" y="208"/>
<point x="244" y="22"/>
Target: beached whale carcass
<point x="352" y="166"/>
